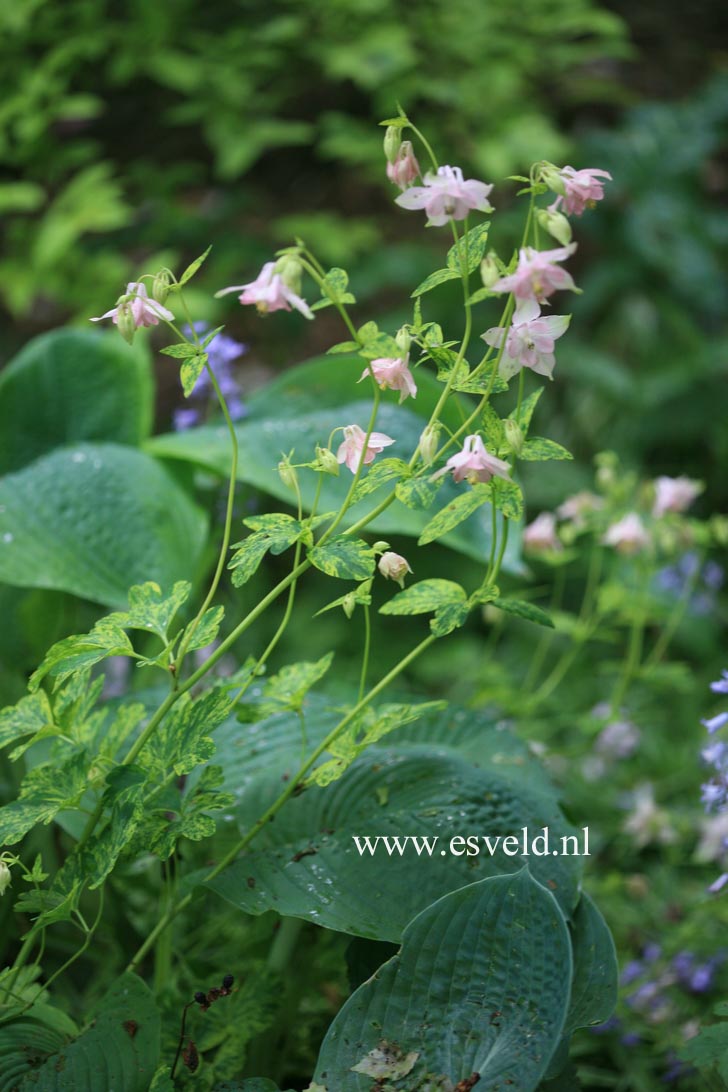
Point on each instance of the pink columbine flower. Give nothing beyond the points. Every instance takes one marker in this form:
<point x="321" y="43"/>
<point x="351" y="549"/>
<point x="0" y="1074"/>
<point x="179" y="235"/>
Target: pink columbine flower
<point x="474" y="463"/>
<point x="144" y="311"/>
<point x="541" y="534"/>
<point x="628" y="536"/>
<point x="269" y="292"/>
<point x="352" y="449"/>
<point x="394" y="567"/>
<point x="578" y="506"/>
<point x="405" y="168"/>
<point x="392" y="373"/>
<point x="447" y="196"/>
<point x="529" y="341"/>
<point x="537" y="277"/>
<point x="674" y="494"/>
<point x="583" y="189"/>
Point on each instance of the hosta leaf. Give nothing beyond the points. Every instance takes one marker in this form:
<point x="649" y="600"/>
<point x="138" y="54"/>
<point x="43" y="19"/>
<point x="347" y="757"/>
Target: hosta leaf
<point x="73" y="386"/>
<point x="345" y="558"/>
<point x="594" y="989"/>
<point x="119" y="1050"/>
<point x="436" y="278"/>
<point x="118" y="518"/>
<point x="454" y="513"/>
<point x="469" y="250"/>
<point x="425" y="596"/>
<point x="307" y="864"/>
<point x="522" y="609"/>
<point x="538" y="449"/>
<point x="479" y="987"/>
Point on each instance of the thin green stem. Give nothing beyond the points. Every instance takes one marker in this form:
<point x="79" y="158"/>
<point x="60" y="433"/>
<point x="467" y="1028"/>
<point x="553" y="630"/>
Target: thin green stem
<point x="365" y="657"/>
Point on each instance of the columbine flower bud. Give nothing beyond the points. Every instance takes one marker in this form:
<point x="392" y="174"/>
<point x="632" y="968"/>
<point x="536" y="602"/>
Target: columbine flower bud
<point x="514" y="435"/>
<point x="327" y="461"/>
<point x="556" y="224"/>
<point x="5" y="878"/>
<point x="392" y="142"/>
<point x="394" y="567"/>
<point x="489" y="272"/>
<point x="125" y="321"/>
<point x="287" y="473"/>
<point x="160" y="286"/>
<point x="403" y="339"/>
<point x="551" y="175"/>
<point x="290" y="271"/>
<point x="429" y="442"/>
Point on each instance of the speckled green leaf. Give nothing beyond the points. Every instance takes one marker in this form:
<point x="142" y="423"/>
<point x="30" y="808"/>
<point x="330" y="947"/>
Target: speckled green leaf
<point x="538" y="450"/>
<point x="480" y="986"/>
<point x="454" y="513"/>
<point x="345" y="558"/>
<point x="434" y="279"/>
<point x="523" y="609"/>
<point x="425" y="596"/>
<point x="470" y="249"/>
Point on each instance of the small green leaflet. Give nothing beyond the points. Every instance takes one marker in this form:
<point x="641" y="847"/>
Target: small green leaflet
<point x="289" y="687"/>
<point x="539" y="449"/>
<point x="380" y="345"/>
<point x="446" y="598"/>
<point x="471" y="247"/>
<point x="81" y="651"/>
<point x="528" y="405"/>
<point x="206" y="630"/>
<point x="377" y="475"/>
<point x="191" y="371"/>
<point x="417" y="492"/>
<point x="344" y="557"/>
<point x="183" y="741"/>
<point x="361" y="596"/>
<point x="343" y="347"/>
<point x="506" y="496"/>
<point x="454" y="513"/>
<point x="333" y="290"/>
<point x="492" y="427"/>
<point x="396" y="123"/>
<point x="181" y="350"/>
<point x="193" y="267"/>
<point x="149" y="609"/>
<point x="44" y="792"/>
<point x="31" y="715"/>
<point x="522" y="609"/>
<point x="275" y="532"/>
<point x="434" y="279"/>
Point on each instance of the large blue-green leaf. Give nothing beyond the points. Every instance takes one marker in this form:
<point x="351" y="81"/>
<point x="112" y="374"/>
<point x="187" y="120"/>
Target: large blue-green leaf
<point x="95" y="519"/>
<point x="315" y="861"/>
<point x="70" y="386"/>
<point x="119" y="1050"/>
<point x="479" y="990"/>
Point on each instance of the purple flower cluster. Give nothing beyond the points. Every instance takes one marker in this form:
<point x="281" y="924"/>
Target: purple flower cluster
<point x="221" y="352"/>
<point x="715" y="755"/>
<point x="673" y="579"/>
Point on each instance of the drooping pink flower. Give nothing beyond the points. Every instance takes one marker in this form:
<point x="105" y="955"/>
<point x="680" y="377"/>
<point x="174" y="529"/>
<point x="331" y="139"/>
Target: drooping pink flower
<point x="447" y="196"/>
<point x="674" y="494"/>
<point x="529" y="340"/>
<point x="394" y="567"/>
<point x="352" y="449"/>
<point x="269" y="292"/>
<point x="541" y="535"/>
<point x="583" y="189"/>
<point x="628" y="535"/>
<point x="144" y="311"/>
<point x="537" y="276"/>
<point x="474" y="463"/>
<point x="405" y="167"/>
<point x="578" y="506"/>
<point x="392" y="373"/>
